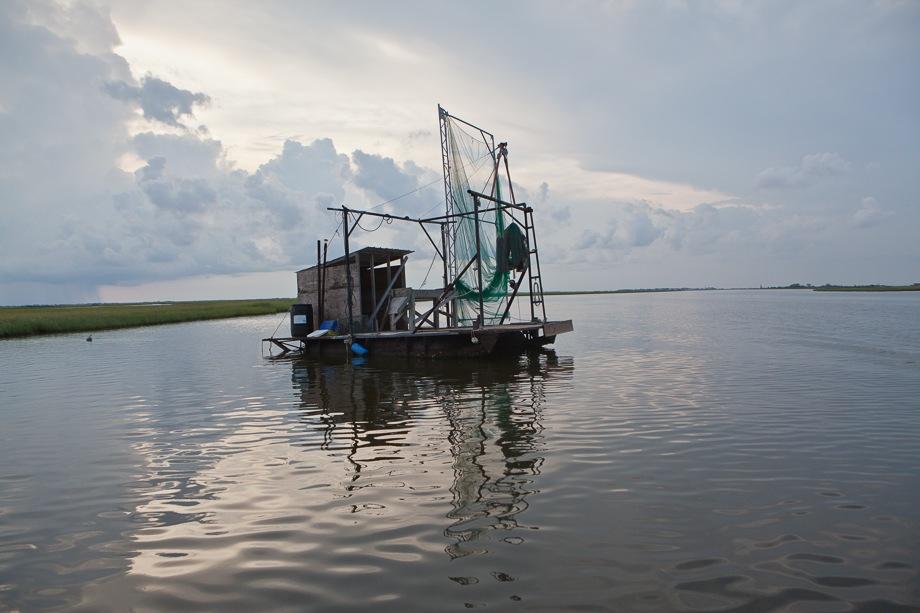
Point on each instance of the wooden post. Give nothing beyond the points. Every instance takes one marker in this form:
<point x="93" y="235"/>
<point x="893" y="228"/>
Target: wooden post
<point x="386" y="311"/>
<point x="318" y="280"/>
<point x="322" y="288"/>
<point x="373" y="292"/>
<point x="345" y="233"/>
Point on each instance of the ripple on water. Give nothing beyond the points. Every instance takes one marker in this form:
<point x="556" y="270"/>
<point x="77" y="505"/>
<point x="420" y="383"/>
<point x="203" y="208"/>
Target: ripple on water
<point x="694" y="451"/>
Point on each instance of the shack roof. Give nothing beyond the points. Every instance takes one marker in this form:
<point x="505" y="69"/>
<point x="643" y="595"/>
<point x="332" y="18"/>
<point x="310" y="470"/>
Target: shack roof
<point x="379" y="255"/>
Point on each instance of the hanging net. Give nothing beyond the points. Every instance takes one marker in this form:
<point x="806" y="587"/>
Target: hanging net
<point x="467" y="155"/>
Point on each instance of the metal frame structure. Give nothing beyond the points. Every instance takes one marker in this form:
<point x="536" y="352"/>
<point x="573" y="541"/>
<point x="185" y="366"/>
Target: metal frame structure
<point x="423" y="335"/>
<point x="495" y="204"/>
<point x="452" y="269"/>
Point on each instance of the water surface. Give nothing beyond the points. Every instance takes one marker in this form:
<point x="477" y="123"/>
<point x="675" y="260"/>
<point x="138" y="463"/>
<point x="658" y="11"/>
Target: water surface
<point x="723" y="451"/>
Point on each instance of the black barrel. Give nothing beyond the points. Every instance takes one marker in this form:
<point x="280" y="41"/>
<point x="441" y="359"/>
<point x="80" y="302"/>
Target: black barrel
<point x="301" y="320"/>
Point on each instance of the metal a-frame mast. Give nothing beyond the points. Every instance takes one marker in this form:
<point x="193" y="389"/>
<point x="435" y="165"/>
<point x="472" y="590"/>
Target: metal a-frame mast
<point x="534" y="275"/>
<point x="488" y="140"/>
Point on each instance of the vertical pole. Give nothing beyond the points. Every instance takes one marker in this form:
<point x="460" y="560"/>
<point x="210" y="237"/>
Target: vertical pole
<point x="345" y="233"/>
<point x="536" y="256"/>
<point x="528" y="229"/>
<point x="319" y="279"/>
<point x="386" y="312"/>
<point x="373" y="292"/>
<point x="450" y="309"/>
<point x="449" y="207"/>
<point x="322" y="289"/>
<point x="478" y="258"/>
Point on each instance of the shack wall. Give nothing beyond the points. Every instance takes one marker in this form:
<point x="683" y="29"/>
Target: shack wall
<point x="335" y="305"/>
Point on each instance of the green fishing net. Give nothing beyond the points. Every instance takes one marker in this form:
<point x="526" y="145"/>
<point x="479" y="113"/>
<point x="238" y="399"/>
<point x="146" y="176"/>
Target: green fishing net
<point x="468" y="154"/>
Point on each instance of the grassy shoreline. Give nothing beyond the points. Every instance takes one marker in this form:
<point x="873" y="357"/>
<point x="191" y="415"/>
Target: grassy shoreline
<point x="36" y="320"/>
<point x="869" y="288"/>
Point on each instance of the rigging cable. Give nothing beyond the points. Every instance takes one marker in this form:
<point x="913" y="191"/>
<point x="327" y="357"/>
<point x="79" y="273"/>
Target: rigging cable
<point x="358" y="223"/>
<point x="430" y="266"/>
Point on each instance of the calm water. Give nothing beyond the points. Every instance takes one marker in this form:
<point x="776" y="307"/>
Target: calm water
<point x="730" y="451"/>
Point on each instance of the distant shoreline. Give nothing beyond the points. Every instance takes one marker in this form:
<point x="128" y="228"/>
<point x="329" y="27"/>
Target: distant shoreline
<point x="17" y="322"/>
<point x="654" y="290"/>
<point x="820" y="288"/>
<point x="22" y="321"/>
<point x="869" y="288"/>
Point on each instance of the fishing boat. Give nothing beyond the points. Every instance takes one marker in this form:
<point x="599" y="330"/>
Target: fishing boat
<point x="486" y="243"/>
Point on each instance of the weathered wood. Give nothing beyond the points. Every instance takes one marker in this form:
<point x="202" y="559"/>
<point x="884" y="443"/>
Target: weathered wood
<point x="389" y="275"/>
<point x="373" y="293"/>
<point x="386" y="294"/>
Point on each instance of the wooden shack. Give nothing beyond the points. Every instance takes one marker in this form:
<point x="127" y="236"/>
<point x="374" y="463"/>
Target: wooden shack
<point x="374" y="271"/>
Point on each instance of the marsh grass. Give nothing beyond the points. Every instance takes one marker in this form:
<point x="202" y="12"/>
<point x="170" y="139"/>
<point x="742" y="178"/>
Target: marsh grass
<point x="33" y="320"/>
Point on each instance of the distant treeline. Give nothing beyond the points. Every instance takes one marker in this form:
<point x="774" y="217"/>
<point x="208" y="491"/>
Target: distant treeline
<point x="827" y="287"/>
<point x="32" y="320"/>
<point x="913" y="287"/>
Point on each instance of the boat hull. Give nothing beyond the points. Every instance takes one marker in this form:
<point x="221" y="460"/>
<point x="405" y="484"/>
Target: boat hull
<point x="437" y="343"/>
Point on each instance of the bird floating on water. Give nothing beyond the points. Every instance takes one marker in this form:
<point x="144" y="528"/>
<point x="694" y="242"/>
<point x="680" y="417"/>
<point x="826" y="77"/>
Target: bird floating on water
<point x="89" y="339"/>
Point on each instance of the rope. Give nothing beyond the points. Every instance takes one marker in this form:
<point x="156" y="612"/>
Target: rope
<point x="421" y="187"/>
<point x="279" y="324"/>
<point x="382" y="219"/>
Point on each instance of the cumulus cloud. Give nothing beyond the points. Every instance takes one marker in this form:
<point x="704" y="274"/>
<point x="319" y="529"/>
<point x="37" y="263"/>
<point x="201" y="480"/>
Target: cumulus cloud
<point x="178" y="195"/>
<point x="418" y="189"/>
<point x="869" y="213"/>
<point x="631" y="225"/>
<point x="73" y="217"/>
<point x="381" y="175"/>
<point x="811" y="169"/>
<point x="73" y="220"/>
<point x="158" y="99"/>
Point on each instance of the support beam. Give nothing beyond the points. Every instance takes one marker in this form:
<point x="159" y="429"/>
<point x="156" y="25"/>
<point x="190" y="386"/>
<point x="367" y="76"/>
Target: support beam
<point x="385" y="216"/>
<point x="444" y="259"/>
<point x="478" y="259"/>
<point x="373" y="292"/>
<point x="517" y="286"/>
<point x="357" y="221"/>
<point x="348" y="283"/>
<point x="386" y="294"/>
<point x="446" y="295"/>
<point x="501" y="207"/>
<point x="322" y="282"/>
<point x="431" y="240"/>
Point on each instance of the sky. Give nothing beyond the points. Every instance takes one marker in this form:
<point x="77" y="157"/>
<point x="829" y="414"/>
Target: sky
<point x="165" y="151"/>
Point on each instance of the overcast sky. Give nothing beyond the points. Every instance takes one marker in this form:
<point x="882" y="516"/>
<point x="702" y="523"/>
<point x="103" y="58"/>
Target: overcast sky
<point x="164" y="150"/>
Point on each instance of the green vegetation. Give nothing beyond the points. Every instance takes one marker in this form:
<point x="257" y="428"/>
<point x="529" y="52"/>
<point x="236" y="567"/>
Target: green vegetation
<point x="869" y="288"/>
<point x="31" y="320"/>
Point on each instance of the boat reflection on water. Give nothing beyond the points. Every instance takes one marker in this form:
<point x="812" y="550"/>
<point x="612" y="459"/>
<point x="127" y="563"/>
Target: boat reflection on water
<point x="490" y="415"/>
<point x="373" y="469"/>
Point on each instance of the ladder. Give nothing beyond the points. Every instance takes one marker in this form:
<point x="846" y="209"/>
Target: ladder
<point x="535" y="281"/>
